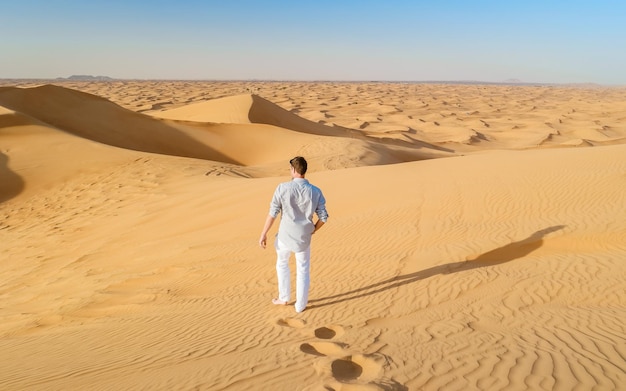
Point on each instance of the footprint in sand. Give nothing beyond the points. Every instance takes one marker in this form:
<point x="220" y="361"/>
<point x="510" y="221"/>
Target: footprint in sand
<point x="291" y="322"/>
<point x="346" y="369"/>
<point x="343" y="366"/>
<point x="362" y="367"/>
<point x="329" y="332"/>
<point x="324" y="348"/>
<point x="319" y="348"/>
<point x="360" y="373"/>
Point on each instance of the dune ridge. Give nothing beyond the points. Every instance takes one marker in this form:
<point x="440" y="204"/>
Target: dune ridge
<point x="231" y="144"/>
<point x="98" y="119"/>
<point x="497" y="268"/>
<point x="500" y="117"/>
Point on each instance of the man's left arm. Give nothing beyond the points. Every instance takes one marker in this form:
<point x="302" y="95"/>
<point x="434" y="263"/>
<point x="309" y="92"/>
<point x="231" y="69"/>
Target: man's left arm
<point x="318" y="225"/>
<point x="322" y="214"/>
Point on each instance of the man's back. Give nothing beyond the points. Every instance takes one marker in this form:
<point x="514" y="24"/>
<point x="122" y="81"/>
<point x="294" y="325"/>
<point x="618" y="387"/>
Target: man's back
<point x="297" y="200"/>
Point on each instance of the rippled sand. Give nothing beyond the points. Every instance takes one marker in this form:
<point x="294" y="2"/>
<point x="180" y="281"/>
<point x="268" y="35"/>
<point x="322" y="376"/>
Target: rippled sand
<point x="475" y="242"/>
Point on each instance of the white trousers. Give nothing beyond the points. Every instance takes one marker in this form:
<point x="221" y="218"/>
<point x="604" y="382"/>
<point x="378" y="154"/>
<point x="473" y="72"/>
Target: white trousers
<point x="303" y="267"/>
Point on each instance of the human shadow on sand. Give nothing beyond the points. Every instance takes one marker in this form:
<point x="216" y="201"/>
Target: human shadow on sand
<point x="494" y="257"/>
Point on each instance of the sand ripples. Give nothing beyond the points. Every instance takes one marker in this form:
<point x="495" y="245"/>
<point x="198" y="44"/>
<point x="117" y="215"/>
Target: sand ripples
<point x="134" y="264"/>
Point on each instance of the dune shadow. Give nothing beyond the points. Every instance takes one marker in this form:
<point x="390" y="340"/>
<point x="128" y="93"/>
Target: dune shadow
<point x="494" y="257"/>
<point x="98" y="119"/>
<point x="11" y="184"/>
<point x="263" y="111"/>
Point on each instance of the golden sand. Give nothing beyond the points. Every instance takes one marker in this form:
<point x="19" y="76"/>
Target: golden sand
<point x="476" y="238"/>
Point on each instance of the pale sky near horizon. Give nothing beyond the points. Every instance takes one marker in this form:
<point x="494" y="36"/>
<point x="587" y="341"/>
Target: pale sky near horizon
<point x="535" y="41"/>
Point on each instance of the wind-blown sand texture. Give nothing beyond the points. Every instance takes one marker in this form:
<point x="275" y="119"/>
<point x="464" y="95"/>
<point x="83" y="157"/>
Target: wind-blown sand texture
<point x="476" y="239"/>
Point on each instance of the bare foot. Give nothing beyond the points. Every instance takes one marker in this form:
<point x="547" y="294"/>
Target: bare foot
<point x="278" y="302"/>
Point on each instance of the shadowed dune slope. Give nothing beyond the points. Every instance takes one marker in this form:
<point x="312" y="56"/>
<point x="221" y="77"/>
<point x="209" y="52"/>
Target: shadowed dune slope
<point x="247" y="109"/>
<point x="12" y="183"/>
<point x="269" y="137"/>
<point x="250" y="108"/>
<point x="260" y="147"/>
<point x="98" y="119"/>
<point x="35" y="155"/>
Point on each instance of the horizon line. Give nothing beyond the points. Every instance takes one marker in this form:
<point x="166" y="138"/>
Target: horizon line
<point x="512" y="82"/>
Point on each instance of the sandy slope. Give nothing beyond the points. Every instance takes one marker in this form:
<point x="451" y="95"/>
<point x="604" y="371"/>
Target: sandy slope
<point x="130" y="255"/>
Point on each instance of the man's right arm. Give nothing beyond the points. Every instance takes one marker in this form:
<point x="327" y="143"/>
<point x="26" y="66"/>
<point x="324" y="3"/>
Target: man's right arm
<point x="275" y="209"/>
<point x="268" y="224"/>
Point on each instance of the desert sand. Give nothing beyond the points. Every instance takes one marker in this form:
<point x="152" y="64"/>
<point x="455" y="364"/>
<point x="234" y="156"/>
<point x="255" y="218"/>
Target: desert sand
<point x="476" y="238"/>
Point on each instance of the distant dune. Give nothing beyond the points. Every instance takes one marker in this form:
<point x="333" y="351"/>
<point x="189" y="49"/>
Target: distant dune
<point x="475" y="242"/>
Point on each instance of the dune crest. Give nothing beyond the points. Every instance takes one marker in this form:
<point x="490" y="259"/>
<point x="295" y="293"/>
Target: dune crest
<point x="250" y="109"/>
<point x="253" y="109"/>
<point x="232" y="110"/>
<point x="100" y="120"/>
<point x="241" y="146"/>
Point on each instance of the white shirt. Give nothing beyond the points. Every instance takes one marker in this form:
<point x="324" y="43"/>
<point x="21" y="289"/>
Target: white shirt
<point x="297" y="200"/>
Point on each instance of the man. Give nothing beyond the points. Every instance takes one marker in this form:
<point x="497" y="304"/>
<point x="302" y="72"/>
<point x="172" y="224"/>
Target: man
<point x="297" y="201"/>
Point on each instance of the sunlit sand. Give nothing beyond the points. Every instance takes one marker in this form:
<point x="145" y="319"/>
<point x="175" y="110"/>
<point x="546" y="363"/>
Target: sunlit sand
<point x="476" y="238"/>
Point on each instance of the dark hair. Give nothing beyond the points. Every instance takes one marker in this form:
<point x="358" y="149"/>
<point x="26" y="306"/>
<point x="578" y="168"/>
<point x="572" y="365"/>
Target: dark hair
<point x="299" y="164"/>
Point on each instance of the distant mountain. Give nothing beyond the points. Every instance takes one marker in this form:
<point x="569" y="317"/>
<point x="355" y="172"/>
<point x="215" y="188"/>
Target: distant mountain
<point x="87" y="78"/>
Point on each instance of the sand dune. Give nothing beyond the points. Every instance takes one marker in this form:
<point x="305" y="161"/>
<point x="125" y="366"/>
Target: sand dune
<point x="253" y="109"/>
<point x="235" y="143"/>
<point x="130" y="255"/>
<point x="97" y="119"/>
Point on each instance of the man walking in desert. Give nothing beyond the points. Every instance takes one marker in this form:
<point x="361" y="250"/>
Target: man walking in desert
<point x="296" y="201"/>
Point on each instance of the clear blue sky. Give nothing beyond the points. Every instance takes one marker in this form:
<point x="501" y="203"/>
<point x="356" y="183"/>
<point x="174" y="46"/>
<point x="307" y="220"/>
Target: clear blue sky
<point x="551" y="41"/>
